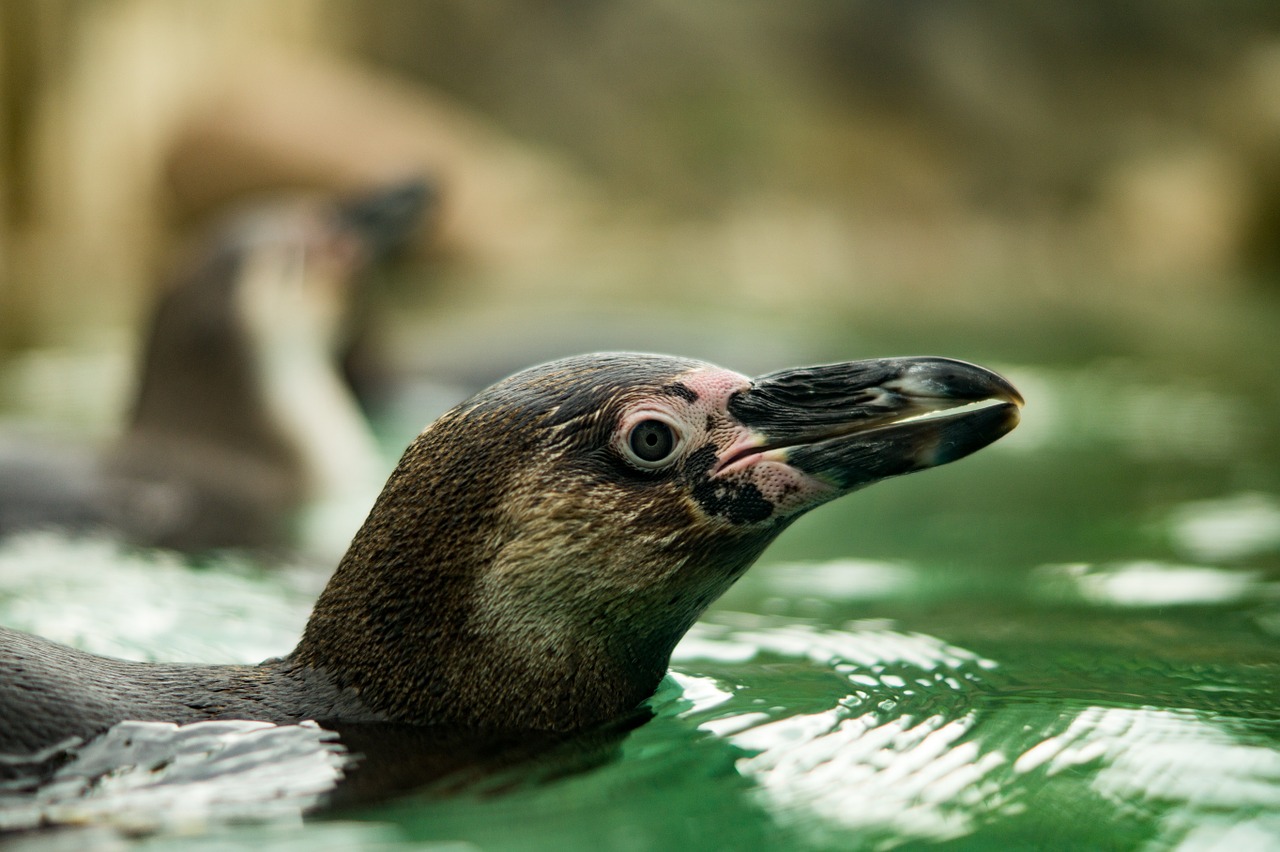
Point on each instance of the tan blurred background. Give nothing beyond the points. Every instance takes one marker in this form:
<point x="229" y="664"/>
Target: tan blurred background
<point x="806" y="158"/>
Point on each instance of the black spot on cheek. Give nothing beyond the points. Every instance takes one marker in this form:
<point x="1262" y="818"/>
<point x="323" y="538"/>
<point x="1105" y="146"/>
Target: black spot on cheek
<point x="700" y="461"/>
<point x="737" y="502"/>
<point x="711" y="423"/>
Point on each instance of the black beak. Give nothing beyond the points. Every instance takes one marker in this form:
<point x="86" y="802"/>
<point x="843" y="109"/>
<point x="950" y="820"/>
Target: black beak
<point x="385" y="219"/>
<point x="855" y="423"/>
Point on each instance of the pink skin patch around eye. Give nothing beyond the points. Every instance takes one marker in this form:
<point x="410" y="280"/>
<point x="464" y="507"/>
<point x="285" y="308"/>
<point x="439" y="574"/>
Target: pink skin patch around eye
<point x="737" y="446"/>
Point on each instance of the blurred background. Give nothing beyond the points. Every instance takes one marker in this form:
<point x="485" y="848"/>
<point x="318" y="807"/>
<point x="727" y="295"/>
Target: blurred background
<point x="1087" y="196"/>
<point x="1083" y="195"/>
<point x="918" y="163"/>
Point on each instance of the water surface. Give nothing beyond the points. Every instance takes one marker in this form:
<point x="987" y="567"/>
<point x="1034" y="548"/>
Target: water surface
<point x="1071" y="639"/>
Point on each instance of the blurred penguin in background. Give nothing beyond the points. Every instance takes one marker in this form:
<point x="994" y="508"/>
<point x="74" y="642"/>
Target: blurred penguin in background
<point x="243" y="420"/>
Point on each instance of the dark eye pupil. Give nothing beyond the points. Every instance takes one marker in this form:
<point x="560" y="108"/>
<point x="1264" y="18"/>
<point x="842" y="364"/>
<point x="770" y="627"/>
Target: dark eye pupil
<point x="652" y="440"/>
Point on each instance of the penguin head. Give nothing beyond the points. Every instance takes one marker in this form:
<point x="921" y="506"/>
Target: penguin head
<point x="301" y="262"/>
<point x="560" y="531"/>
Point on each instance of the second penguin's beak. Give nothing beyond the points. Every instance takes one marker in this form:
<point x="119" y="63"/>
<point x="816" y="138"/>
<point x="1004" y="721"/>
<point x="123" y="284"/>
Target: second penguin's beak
<point x="385" y="219"/>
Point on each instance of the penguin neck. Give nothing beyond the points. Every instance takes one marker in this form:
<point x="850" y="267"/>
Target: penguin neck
<point x="311" y="407"/>
<point x="453" y="665"/>
<point x="406" y="624"/>
<point x="315" y="414"/>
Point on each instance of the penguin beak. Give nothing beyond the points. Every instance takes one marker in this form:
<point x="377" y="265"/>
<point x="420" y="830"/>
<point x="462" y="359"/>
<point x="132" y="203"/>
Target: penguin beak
<point x="384" y="220"/>
<point x="849" y="425"/>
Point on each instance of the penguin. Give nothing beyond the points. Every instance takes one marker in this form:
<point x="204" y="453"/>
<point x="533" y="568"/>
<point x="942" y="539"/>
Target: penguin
<point x="241" y="415"/>
<point x="540" y="549"/>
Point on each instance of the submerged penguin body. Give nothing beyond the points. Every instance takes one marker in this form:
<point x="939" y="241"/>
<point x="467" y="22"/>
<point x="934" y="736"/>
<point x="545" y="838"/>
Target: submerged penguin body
<point x="540" y="549"/>
<point x="51" y="693"/>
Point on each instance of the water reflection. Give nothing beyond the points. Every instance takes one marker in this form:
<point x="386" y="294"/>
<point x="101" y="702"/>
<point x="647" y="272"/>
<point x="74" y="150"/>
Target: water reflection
<point x="889" y="763"/>
<point x="868" y="645"/>
<point x="841" y="579"/>
<point x="101" y="596"/>
<point x="1113" y="404"/>
<point x="143" y="777"/>
<point x="1203" y="781"/>
<point x="898" y="778"/>
<point x="1150" y="584"/>
<point x="1229" y="528"/>
<point x="893" y="759"/>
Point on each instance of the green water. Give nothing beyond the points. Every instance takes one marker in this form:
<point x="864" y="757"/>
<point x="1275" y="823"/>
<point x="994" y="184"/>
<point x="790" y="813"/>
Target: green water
<point x="1069" y="640"/>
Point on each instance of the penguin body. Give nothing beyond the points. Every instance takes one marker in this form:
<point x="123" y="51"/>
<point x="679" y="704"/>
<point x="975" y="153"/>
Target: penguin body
<point x="241" y="414"/>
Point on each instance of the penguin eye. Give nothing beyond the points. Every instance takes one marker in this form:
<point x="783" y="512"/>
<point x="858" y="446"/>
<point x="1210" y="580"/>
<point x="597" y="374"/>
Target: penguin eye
<point x="651" y="443"/>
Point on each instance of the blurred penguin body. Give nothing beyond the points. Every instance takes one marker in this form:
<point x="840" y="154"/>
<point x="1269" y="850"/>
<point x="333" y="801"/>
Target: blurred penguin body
<point x="241" y="416"/>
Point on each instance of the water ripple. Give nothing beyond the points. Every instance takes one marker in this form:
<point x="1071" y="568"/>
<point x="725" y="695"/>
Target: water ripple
<point x="147" y="776"/>
<point x="928" y="743"/>
<point x="894" y="758"/>
<point x="1203" y="781"/>
<point x="96" y="594"/>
